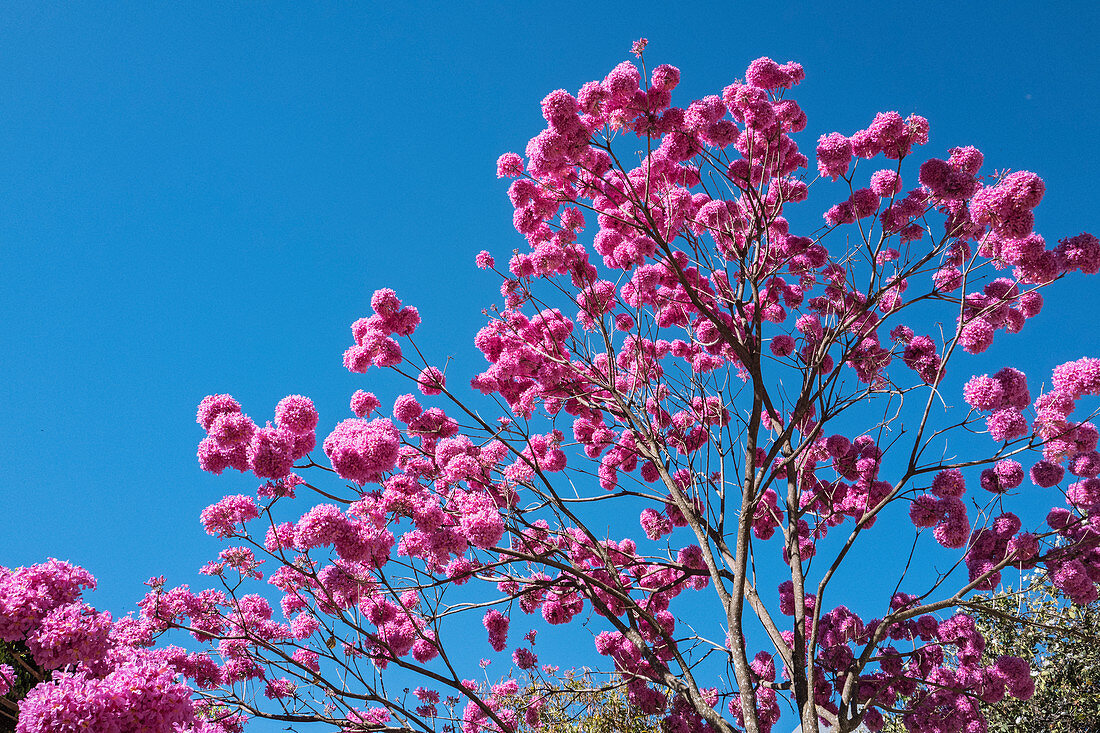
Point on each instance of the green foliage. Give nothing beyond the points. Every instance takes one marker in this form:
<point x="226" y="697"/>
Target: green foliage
<point x="582" y="705"/>
<point x="27" y="675"/>
<point x="1062" y="643"/>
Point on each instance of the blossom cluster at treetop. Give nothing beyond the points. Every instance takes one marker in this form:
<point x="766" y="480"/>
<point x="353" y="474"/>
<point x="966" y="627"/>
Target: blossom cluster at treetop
<point x="676" y="338"/>
<point x="95" y="672"/>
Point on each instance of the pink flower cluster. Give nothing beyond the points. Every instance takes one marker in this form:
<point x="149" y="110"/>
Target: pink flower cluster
<point x="234" y="441"/>
<point x="227" y="517"/>
<point x="1007" y="206"/>
<point x="888" y="133"/>
<point x="496" y="624"/>
<point x="832" y="502"/>
<point x="431" y="381"/>
<point x="70" y="634"/>
<point x="954" y="179"/>
<point x="141" y="694"/>
<point x="920" y="354"/>
<point x="105" y="678"/>
<point x="989" y="547"/>
<point x="834" y="155"/>
<point x="901" y="675"/>
<point x="355" y="538"/>
<point x="363" y="451"/>
<point x="364" y="403"/>
<point x="1005" y="475"/>
<point x="943" y="509"/>
<point x="950" y="702"/>
<point x="1001" y="305"/>
<point x="862" y="203"/>
<point x="1004" y="395"/>
<point x="401" y="630"/>
<point x="1077" y="579"/>
<point x="27" y="595"/>
<point x="7" y="678"/>
<point x="374" y="343"/>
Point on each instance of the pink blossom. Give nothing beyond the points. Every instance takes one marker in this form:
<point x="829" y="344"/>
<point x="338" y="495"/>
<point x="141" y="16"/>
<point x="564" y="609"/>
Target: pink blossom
<point x="1084" y="494"/>
<point x="984" y="393"/>
<point x="834" y="155"/>
<point x="886" y="183"/>
<point x="304" y="625"/>
<point x="364" y="403"/>
<point x="403" y="323"/>
<point x="357" y="359"/>
<point x="524" y="658"/>
<point x="1007" y="206"/>
<point x="967" y="159"/>
<point x="954" y="529"/>
<point x="841" y="213"/>
<point x="7" y="678"/>
<point x="949" y="483"/>
<point x="497" y="625"/>
<point x="141" y="694"/>
<point x="1014" y="383"/>
<point x="363" y="451"/>
<point x="1045" y="473"/>
<point x="28" y="594"/>
<point x="767" y="74"/>
<point x="1023" y="251"/>
<point x="560" y="109"/>
<point x="782" y="345"/>
<point x="1017" y="676"/>
<point x="864" y="203"/>
<point x="480" y="519"/>
<point x="946" y="182"/>
<point x="280" y="688"/>
<point x="1010" y="473"/>
<point x="296" y="414"/>
<point x="272" y="452"/>
<point x="302" y="445"/>
<point x="1077" y="378"/>
<point x="307" y="659"/>
<point x="70" y="634"/>
<point x="1024" y="547"/>
<point x="222" y="519"/>
<point x="1005" y="425"/>
<point x="1085" y="464"/>
<point x="1085" y="437"/>
<point x="665" y="77"/>
<point x="214" y="405"/>
<point x="655" y="524"/>
<point x="509" y="165"/>
<point x="1079" y="253"/>
<point x="385" y="302"/>
<point x="406" y="409"/>
<point x="484" y="260"/>
<point x="431" y="381"/>
<point x="1073" y="579"/>
<point x="231" y="429"/>
<point x="976" y="336"/>
<point x="925" y="511"/>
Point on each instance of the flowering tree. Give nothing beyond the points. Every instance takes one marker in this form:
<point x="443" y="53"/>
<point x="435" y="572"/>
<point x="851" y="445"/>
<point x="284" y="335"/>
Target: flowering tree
<point x="1062" y="642"/>
<point x="768" y="393"/>
<point x="67" y="667"/>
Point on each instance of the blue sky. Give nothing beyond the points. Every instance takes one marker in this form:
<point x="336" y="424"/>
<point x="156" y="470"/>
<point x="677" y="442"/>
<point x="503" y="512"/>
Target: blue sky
<point x="201" y="197"/>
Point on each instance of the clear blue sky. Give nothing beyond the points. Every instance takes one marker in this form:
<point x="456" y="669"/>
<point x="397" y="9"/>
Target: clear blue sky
<point x="200" y="197"/>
